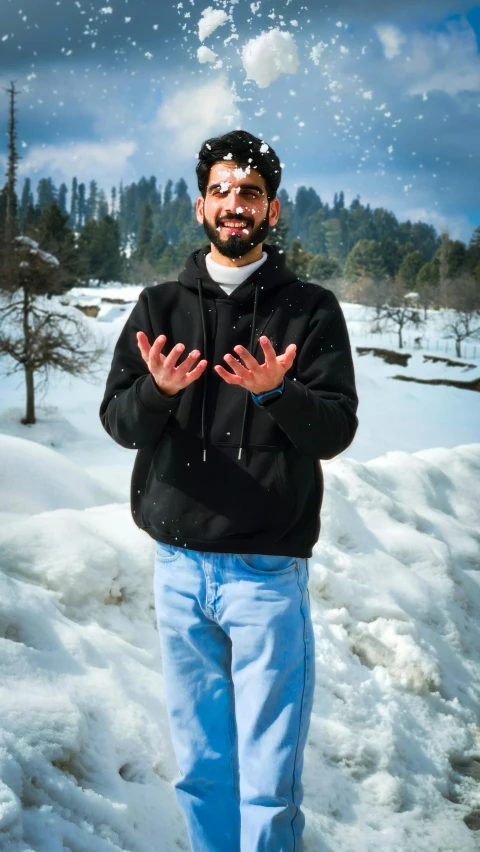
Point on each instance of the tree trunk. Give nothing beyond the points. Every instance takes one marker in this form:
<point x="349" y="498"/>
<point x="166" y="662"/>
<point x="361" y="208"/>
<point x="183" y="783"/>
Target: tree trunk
<point x="30" y="388"/>
<point x="457" y="348"/>
<point x="400" y="339"/>
<point x="29" y="382"/>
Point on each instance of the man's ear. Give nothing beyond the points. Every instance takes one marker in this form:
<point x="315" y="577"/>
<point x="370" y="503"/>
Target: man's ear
<point x="199" y="209"/>
<point x="274" y="212"/>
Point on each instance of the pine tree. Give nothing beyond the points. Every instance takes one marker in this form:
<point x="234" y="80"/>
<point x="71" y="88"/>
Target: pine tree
<point x="46" y="192"/>
<point x="298" y="259"/>
<point x="364" y="261"/>
<point x="102" y="208"/>
<point x="278" y="234"/>
<point x="82" y="206"/>
<point x="113" y="201"/>
<point x="62" y="197"/>
<point x="56" y="238"/>
<point x="410" y="267"/>
<point x="145" y="234"/>
<point x="92" y="201"/>
<point x="322" y="267"/>
<point x="25" y="202"/>
<point x="72" y="222"/>
<point x="11" y="224"/>
<point x="99" y="246"/>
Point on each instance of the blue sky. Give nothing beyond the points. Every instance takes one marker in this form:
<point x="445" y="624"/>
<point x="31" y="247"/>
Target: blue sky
<point x="389" y="110"/>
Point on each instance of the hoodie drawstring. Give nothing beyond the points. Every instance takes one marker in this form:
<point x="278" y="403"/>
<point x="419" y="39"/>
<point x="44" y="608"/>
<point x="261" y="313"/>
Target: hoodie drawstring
<point x="204" y="394"/>
<point x="250" y="349"/>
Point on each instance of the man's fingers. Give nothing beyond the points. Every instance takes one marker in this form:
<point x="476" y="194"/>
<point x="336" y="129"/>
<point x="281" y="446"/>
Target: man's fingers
<point x="268" y="351"/>
<point x="230" y="378"/>
<point x="173" y="356"/>
<point x="143" y="345"/>
<point x="156" y="350"/>
<point x="195" y="373"/>
<point x="187" y="364"/>
<point x="250" y="362"/>
<point x="237" y="367"/>
<point x="288" y="357"/>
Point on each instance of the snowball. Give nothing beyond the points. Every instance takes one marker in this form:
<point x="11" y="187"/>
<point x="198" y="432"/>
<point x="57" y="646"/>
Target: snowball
<point x="204" y="54"/>
<point x="269" y="55"/>
<point x="240" y="173"/>
<point x="317" y="51"/>
<point x="210" y="20"/>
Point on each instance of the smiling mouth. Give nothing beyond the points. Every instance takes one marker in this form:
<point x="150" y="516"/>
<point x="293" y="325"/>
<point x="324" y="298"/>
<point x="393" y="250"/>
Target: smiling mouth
<point x="234" y="227"/>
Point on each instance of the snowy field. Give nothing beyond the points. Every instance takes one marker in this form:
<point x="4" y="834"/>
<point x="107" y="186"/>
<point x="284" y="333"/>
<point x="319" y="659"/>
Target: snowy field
<point x="393" y="757"/>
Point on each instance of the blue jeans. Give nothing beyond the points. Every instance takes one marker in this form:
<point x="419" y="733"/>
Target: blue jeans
<point x="238" y="663"/>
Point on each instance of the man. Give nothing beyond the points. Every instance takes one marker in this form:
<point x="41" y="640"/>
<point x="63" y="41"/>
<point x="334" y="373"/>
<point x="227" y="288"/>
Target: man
<point x="228" y="483"/>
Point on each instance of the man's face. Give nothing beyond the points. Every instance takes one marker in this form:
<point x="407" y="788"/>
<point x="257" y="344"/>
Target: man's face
<point x="235" y="212"/>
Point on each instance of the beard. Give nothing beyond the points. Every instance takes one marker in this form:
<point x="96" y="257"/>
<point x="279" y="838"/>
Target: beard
<point x="237" y="246"/>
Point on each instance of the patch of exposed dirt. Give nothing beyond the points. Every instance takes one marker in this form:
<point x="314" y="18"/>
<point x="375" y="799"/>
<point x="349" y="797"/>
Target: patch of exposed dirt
<point x="474" y="385"/>
<point x="435" y="358"/>
<point x="88" y="310"/>
<point x="388" y="355"/>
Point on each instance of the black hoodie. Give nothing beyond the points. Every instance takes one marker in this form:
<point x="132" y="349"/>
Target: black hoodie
<point x="214" y="470"/>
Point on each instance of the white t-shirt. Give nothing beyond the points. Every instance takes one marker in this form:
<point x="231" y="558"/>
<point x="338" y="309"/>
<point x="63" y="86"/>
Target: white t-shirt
<point x="229" y="277"/>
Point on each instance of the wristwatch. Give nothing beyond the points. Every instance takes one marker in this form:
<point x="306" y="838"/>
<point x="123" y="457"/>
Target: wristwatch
<point x="264" y="399"/>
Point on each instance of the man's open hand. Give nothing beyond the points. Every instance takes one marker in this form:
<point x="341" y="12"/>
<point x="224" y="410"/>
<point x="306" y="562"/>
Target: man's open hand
<point x="169" y="378"/>
<point x="253" y="376"/>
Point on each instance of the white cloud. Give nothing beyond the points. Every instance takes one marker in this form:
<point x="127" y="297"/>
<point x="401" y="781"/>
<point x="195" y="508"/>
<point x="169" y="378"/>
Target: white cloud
<point x="100" y="159"/>
<point x="194" y="114"/>
<point x="459" y="227"/>
<point x="391" y="38"/>
<point x="443" y="61"/>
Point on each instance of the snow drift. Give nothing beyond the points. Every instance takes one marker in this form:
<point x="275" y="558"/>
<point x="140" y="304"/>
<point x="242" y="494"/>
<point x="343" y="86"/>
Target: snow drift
<point x="85" y="753"/>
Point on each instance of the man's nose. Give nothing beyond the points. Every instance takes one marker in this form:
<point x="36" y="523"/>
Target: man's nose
<point x="232" y="201"/>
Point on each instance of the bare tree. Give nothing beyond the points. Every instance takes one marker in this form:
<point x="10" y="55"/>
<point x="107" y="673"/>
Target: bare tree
<point x="36" y="333"/>
<point x="463" y="319"/>
<point x="392" y="307"/>
<point x="400" y="317"/>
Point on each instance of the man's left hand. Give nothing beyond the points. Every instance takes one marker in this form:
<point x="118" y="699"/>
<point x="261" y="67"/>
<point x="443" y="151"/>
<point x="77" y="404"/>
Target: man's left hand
<point x="255" y="377"/>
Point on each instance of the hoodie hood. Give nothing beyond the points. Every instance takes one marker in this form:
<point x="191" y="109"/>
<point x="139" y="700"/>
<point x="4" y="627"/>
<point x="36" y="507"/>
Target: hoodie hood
<point x="271" y="275"/>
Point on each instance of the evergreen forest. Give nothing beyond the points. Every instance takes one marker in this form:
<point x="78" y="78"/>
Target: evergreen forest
<point x="142" y="233"/>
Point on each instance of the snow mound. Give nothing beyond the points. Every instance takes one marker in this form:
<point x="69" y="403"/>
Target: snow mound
<point x="395" y="588"/>
<point x="36" y="479"/>
<point x="85" y="755"/>
<point x="269" y="55"/>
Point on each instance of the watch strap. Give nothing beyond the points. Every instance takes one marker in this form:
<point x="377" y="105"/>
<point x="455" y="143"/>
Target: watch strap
<point x="264" y="398"/>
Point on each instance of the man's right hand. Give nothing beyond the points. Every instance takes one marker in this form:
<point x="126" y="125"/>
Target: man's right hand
<point x="169" y="378"/>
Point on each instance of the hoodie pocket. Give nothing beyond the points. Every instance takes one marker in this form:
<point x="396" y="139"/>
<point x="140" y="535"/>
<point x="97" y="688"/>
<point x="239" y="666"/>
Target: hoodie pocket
<point x="221" y="498"/>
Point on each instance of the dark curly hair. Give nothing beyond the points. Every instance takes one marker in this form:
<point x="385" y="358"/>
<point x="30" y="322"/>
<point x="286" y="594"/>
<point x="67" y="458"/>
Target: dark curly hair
<point x="245" y="150"/>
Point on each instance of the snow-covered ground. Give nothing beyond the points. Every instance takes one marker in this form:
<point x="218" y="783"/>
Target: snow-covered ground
<point x="393" y="757"/>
